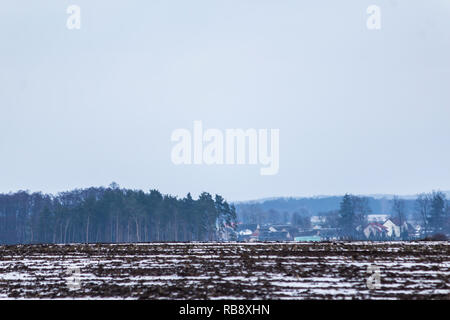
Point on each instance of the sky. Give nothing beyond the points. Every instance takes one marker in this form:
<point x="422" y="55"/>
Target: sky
<point x="359" y="111"/>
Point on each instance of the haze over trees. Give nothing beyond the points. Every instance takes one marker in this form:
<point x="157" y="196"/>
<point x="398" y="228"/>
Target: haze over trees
<point x="399" y="210"/>
<point x="348" y="214"/>
<point x="352" y="213"/>
<point x="434" y="211"/>
<point x="115" y="215"/>
<point x="111" y="215"/>
<point x="433" y="208"/>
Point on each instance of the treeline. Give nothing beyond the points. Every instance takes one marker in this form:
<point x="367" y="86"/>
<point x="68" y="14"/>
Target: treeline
<point x="112" y="215"/>
<point x="352" y="216"/>
<point x="425" y="216"/>
<point x="432" y="209"/>
<point x="434" y="212"/>
<point x="254" y="214"/>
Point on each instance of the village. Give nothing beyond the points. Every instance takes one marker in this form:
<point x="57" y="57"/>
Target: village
<point x="379" y="227"/>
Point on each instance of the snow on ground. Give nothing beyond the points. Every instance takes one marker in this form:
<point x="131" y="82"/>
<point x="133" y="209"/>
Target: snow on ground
<point x="338" y="270"/>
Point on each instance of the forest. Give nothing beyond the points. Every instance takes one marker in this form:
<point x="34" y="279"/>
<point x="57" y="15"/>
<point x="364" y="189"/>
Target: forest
<point x="112" y="215"/>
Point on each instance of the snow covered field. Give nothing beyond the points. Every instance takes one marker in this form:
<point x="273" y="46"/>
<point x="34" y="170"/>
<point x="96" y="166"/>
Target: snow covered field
<point x="417" y="270"/>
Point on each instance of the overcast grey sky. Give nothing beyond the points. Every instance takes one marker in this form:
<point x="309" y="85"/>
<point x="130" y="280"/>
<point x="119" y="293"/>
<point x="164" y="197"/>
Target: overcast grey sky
<point x="361" y="111"/>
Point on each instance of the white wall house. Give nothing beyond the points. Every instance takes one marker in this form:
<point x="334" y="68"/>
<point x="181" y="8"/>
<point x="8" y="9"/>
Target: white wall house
<point x="393" y="230"/>
<point x="374" y="229"/>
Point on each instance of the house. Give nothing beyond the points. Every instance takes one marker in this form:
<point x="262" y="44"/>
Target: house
<point x="375" y="230"/>
<point x="246" y="229"/>
<point x="393" y="230"/>
<point x="292" y="230"/>
<point x="246" y="232"/>
<point x="268" y="234"/>
<point x="398" y="229"/>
